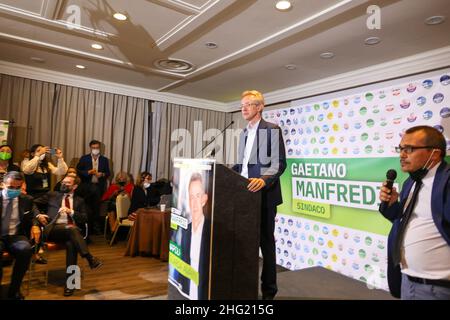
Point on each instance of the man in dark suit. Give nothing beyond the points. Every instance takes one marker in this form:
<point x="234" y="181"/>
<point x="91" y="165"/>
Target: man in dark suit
<point x="419" y="241"/>
<point x="66" y="216"/>
<point x="93" y="168"/>
<point x="262" y="160"/>
<point x="18" y="215"/>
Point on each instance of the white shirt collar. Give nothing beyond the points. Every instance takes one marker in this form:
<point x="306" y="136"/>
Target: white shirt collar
<point x="253" y="127"/>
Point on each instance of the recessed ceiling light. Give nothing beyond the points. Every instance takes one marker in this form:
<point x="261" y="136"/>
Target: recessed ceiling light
<point x="290" y="66"/>
<point x="80" y="66"/>
<point x="372" y="41"/>
<point x="37" y="59"/>
<point x="327" y="55"/>
<point x="97" y="46"/>
<point x="283" y="5"/>
<point x="174" y="65"/>
<point x="434" y="20"/>
<point x="120" y="16"/>
<point x="211" y="45"/>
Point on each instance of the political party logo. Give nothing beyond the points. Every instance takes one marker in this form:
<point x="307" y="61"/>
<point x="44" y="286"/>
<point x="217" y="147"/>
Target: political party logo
<point x="316" y="151"/>
<point x="364" y="136"/>
<point x="290" y="152"/>
<point x="357" y="100"/>
<point x="320" y="117"/>
<point x="397" y="120"/>
<point x="445" y="80"/>
<point x="368" y="268"/>
<point x="294" y="234"/>
<point x="356" y="150"/>
<point x="290" y="222"/>
<point x="411" y="88"/>
<point x="324" y="254"/>
<point x="293" y="132"/>
<point x="368" y="240"/>
<point x="281" y="123"/>
<point x="300" y="131"/>
<point x="332" y="139"/>
<point x="357" y="125"/>
<point x="346" y="102"/>
<point x="352" y="139"/>
<point x="297" y="246"/>
<point x="311" y="118"/>
<point x="334" y="258"/>
<point x="325" y="230"/>
<point x="315" y="251"/>
<point x="298" y="224"/>
<point x="389" y="107"/>
<point x="288" y="122"/>
<point x="335" y="233"/>
<point x="285" y="132"/>
<point x="326" y="105"/>
<point x="295" y="121"/>
<point x="396" y="92"/>
<point x="340" y="114"/>
<point x="405" y="104"/>
<point x="285" y="112"/>
<point x="335" y="127"/>
<point x="335" y="151"/>
<point x="286" y="253"/>
<point x="375" y="109"/>
<point x="336" y="103"/>
<point x="303" y="236"/>
<point x="355" y="266"/>
<point x="316" y="129"/>
<point x="289" y="244"/>
<point x="322" y="140"/>
<point x="438" y="98"/>
<point x="380" y="149"/>
<point x="369" y="96"/>
<point x="325" y="128"/>
<point x="292" y="112"/>
<point x="288" y="264"/>
<point x="303" y="120"/>
<point x="278" y="114"/>
<point x="340" y="247"/>
<point x="300" y="110"/>
<point x="346" y="126"/>
<point x="311" y="238"/>
<point x="421" y="101"/>
<point x="320" y="241"/>
<point x="363" y="111"/>
<point x="342" y="139"/>
<point x="308" y="109"/>
<point x="380" y="245"/>
<point x="376" y="136"/>
<point x="445" y="112"/>
<point x="370" y="123"/>
<point x="304" y="141"/>
<point x="427" y="84"/>
<point x="368" y="149"/>
<point x="362" y="253"/>
<point x="310" y="262"/>
<point x="345" y="150"/>
<point x="316" y="107"/>
<point x="330" y="244"/>
<point x="439" y="128"/>
<point x="330" y="116"/>
<point x="375" y="257"/>
<point x="325" y="151"/>
<point x="411" y="118"/>
<point x="357" y="239"/>
<point x="298" y="152"/>
<point x="346" y="235"/>
<point x="381" y="94"/>
<point x="288" y="142"/>
<point x="316" y="228"/>
<point x="344" y="261"/>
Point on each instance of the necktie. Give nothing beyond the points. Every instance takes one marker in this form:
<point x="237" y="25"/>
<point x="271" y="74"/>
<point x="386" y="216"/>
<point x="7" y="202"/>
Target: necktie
<point x="396" y="254"/>
<point x="6" y="217"/>
<point x="67" y="205"/>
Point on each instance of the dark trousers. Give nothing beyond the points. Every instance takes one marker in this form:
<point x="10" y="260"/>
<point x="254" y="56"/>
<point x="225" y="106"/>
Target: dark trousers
<point x="93" y="195"/>
<point x="19" y="247"/>
<point x="267" y="244"/>
<point x="72" y="238"/>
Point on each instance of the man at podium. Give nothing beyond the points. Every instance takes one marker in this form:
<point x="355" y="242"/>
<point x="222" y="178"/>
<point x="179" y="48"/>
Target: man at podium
<point x="262" y="160"/>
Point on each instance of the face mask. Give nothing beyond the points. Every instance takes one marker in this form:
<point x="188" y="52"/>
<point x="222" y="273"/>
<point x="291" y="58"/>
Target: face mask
<point x="13" y="193"/>
<point x="146" y="185"/>
<point x="5" y="155"/>
<point x="419" y="174"/>
<point x="65" y="189"/>
<point x="42" y="157"/>
<point x="95" y="151"/>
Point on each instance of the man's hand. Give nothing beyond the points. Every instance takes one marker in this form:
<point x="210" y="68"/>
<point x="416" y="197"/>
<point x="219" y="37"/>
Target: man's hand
<point x="64" y="210"/>
<point x="256" y="184"/>
<point x="43" y="219"/>
<point x="391" y="196"/>
<point x="132" y="217"/>
<point x="99" y="174"/>
<point x="92" y="171"/>
<point x="35" y="234"/>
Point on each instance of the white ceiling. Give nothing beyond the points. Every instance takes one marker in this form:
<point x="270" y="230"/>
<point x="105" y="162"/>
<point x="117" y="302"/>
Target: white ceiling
<point x="255" y="41"/>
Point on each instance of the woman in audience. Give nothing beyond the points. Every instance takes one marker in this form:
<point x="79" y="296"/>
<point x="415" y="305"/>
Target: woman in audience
<point x="6" y="161"/>
<point x="38" y="169"/>
<point x="144" y="195"/>
<point x="24" y="157"/>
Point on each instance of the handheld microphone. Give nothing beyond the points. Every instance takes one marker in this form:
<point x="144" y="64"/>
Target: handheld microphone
<point x="391" y="175"/>
<point x="214" y="139"/>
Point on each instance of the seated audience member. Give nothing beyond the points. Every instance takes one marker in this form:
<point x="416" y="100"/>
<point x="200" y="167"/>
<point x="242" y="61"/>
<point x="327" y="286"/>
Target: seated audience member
<point x="6" y="161"/>
<point x="122" y="184"/>
<point x="18" y="215"/>
<point x="38" y="169"/>
<point x="144" y="195"/>
<point x="65" y="217"/>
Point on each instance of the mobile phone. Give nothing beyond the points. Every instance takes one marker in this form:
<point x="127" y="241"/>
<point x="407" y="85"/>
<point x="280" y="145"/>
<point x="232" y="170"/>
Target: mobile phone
<point x="53" y="151"/>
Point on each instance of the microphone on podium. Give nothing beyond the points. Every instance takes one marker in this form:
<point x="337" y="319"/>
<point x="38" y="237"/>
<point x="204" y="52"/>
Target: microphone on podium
<point x="391" y="175"/>
<point x="213" y="152"/>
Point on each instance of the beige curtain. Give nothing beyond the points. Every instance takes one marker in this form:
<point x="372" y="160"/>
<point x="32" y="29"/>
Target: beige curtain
<point x="30" y="104"/>
<point x="117" y="121"/>
<point x="167" y="118"/>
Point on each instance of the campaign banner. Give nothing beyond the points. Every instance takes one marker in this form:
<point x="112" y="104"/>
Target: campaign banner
<point x="4" y="126"/>
<point x="190" y="239"/>
<point x="339" y="148"/>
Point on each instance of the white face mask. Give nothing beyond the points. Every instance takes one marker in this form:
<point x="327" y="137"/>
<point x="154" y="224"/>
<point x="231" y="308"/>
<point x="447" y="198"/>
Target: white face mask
<point x="146" y="185"/>
<point x="42" y="157"/>
<point x="95" y="151"/>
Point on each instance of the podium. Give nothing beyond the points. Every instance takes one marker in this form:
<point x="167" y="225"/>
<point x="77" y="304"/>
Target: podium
<point x="232" y="236"/>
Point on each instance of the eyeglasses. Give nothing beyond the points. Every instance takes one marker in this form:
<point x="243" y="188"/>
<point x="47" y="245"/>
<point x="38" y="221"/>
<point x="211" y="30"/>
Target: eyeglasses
<point x="411" y="149"/>
<point x="248" y="105"/>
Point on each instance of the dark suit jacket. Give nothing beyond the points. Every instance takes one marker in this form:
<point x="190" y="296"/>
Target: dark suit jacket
<point x="27" y="214"/>
<point x="85" y="164"/>
<point x="203" y="267"/>
<point x="440" y="211"/>
<point x="53" y="200"/>
<point x="140" y="200"/>
<point x="267" y="160"/>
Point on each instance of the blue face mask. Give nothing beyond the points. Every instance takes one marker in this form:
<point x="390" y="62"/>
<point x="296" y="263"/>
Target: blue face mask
<point x="13" y="193"/>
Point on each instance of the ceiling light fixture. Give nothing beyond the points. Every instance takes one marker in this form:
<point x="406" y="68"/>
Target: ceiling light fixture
<point x="97" y="46"/>
<point x="290" y="67"/>
<point x="120" y="16"/>
<point x="372" y="41"/>
<point x="80" y="66"/>
<point x="174" y="65"/>
<point x="37" y="59"/>
<point x="327" y="55"/>
<point x="211" y="45"/>
<point x="283" y="5"/>
<point x="434" y="20"/>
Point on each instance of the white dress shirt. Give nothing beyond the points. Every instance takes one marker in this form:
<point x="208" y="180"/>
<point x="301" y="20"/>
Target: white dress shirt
<point x="63" y="217"/>
<point x="251" y="135"/>
<point x="196" y="242"/>
<point x="425" y="254"/>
